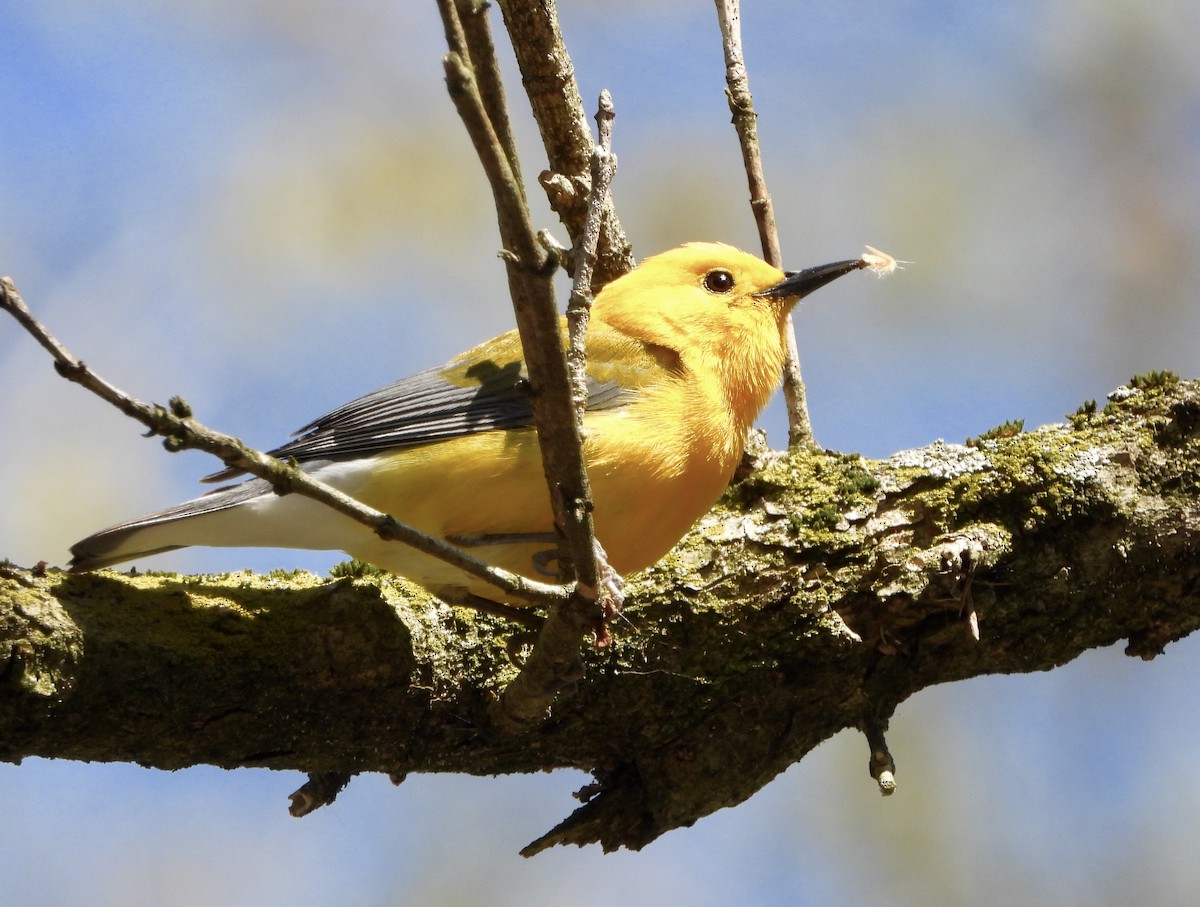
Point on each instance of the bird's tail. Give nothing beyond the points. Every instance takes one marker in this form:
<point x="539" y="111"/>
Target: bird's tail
<point x="206" y="520"/>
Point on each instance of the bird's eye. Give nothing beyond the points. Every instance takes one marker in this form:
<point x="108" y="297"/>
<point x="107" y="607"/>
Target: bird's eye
<point x="718" y="281"/>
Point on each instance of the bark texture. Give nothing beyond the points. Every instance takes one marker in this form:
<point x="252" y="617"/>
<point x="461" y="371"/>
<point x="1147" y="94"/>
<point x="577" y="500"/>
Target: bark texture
<point x="548" y="77"/>
<point x="822" y="592"/>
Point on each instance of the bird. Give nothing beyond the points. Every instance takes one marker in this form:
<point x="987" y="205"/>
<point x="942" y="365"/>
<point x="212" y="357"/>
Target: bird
<point x="683" y="352"/>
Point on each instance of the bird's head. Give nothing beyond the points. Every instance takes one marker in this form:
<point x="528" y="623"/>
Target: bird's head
<point x="721" y="310"/>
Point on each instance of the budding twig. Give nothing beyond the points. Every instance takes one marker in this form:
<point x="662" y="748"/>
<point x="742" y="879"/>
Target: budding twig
<point x="182" y="432"/>
<point x="555" y="659"/>
<point x="579" y="306"/>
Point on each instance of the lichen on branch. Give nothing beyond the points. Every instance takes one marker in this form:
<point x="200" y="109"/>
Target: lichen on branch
<point x="823" y="591"/>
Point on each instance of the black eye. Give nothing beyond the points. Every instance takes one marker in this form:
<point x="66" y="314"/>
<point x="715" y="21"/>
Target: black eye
<point x="718" y="281"/>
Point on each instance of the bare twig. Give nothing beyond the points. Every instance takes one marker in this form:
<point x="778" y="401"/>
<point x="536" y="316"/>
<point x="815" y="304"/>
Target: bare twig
<point x="552" y="663"/>
<point x="529" y="280"/>
<point x="741" y="105"/>
<point x="549" y="79"/>
<point x="579" y="306"/>
<point x="469" y="35"/>
<point x="182" y="432"/>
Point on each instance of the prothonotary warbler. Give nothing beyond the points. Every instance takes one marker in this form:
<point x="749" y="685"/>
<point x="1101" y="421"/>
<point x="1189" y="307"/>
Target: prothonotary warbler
<point x="683" y="352"/>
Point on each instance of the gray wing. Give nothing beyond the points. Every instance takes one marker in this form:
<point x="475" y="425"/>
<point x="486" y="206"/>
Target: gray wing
<point x="434" y="405"/>
<point x="472" y="394"/>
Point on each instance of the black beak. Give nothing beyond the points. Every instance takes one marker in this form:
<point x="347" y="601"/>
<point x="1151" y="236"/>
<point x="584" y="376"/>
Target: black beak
<point x="798" y="284"/>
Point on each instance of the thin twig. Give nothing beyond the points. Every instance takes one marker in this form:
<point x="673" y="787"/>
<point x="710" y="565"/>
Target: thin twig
<point x="579" y="306"/>
<point x="555" y="661"/>
<point x="182" y="432"/>
<point x="452" y="26"/>
<point x="549" y="79"/>
<point x="555" y="658"/>
<point x="529" y="282"/>
<point x="741" y="105"/>
<point x="469" y="35"/>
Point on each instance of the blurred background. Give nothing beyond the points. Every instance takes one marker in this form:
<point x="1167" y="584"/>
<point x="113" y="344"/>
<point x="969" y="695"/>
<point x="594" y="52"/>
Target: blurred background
<point x="269" y="207"/>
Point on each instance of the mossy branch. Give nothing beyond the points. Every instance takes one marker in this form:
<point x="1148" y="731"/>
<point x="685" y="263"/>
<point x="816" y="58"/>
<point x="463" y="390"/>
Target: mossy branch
<point x="822" y="592"/>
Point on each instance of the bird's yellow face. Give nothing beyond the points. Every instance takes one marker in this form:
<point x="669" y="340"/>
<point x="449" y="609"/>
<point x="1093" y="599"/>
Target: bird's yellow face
<point x="702" y="302"/>
<point x="701" y="296"/>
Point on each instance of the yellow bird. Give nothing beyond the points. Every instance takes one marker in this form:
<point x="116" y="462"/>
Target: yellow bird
<point x="683" y="353"/>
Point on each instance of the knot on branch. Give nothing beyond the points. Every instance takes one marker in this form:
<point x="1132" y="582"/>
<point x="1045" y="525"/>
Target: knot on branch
<point x="945" y="567"/>
<point x="388" y="528"/>
<point x="179" y="408"/>
<point x="565" y="191"/>
<point x="541" y="266"/>
<point x="70" y="370"/>
<point x="741" y="104"/>
<point x="283" y="483"/>
<point x="321" y="789"/>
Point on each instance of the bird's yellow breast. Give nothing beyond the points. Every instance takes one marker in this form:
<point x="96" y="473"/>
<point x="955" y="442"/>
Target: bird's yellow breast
<point x="655" y="467"/>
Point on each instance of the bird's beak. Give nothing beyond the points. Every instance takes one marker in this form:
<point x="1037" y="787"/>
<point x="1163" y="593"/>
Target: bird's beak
<point x="798" y="284"/>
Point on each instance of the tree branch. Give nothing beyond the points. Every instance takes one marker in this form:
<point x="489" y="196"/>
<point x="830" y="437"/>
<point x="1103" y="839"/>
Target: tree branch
<point x="822" y="591"/>
<point x="549" y="79"/>
<point x="554" y="661"/>
<point x="182" y="432"/>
